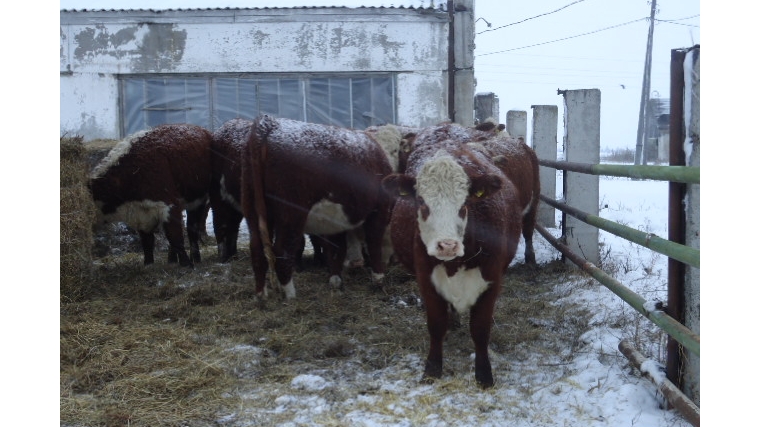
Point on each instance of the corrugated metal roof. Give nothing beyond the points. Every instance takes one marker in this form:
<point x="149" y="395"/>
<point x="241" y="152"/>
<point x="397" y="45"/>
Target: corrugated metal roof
<point x="247" y="8"/>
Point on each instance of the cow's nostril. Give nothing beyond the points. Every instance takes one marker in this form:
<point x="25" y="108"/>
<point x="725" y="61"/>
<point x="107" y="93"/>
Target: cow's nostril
<point x="447" y="246"/>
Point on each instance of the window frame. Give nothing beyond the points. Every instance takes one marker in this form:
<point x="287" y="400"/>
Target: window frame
<point x="377" y="81"/>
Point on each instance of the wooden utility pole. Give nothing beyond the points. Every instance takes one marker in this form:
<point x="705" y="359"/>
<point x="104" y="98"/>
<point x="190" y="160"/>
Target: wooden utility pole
<point x="640" y="159"/>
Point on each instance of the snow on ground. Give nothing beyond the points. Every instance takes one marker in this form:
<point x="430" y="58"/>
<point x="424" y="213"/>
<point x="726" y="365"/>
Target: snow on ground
<point x="597" y="388"/>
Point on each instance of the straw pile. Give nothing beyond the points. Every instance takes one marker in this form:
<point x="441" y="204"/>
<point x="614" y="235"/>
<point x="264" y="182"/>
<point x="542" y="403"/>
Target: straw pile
<point x="77" y="219"/>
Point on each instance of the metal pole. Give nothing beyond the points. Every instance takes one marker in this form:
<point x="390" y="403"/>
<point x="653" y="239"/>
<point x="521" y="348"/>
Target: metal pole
<point x="676" y="214"/>
<point x="639" y="159"/>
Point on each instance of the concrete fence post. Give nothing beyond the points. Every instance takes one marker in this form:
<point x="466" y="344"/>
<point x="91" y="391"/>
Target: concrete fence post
<point x="544" y="138"/>
<point x="581" y="140"/>
<point x="486" y="106"/>
<point x="691" y="282"/>
<point x="517" y="123"/>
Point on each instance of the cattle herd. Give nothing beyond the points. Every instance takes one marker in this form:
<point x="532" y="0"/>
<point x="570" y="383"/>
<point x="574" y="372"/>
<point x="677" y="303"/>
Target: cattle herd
<point x="448" y="202"/>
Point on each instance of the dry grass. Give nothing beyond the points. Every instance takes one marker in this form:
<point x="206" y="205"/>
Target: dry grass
<point x="154" y="346"/>
<point x="77" y="218"/>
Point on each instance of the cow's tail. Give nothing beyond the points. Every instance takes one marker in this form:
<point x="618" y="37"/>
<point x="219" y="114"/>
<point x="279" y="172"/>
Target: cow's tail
<point x="262" y="127"/>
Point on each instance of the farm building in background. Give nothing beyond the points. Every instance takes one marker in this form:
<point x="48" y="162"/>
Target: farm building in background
<point x="127" y="70"/>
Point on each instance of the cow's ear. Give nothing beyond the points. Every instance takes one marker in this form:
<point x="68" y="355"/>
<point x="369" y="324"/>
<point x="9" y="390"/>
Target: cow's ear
<point x="407" y="142"/>
<point x="485" y="185"/>
<point x="399" y="185"/>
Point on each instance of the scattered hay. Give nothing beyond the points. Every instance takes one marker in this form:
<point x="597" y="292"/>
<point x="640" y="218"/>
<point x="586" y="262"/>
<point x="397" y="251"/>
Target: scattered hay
<point x="77" y="219"/>
<point x="164" y="346"/>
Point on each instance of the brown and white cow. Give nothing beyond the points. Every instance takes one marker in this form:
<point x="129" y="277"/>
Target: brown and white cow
<point x="148" y="179"/>
<point x="512" y="155"/>
<point x="455" y="225"/>
<point x="303" y="178"/>
<point x="226" y="151"/>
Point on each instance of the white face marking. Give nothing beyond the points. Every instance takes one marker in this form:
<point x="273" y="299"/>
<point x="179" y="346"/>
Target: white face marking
<point x="326" y="218"/>
<point x="443" y="186"/>
<point x="462" y="289"/>
<point x="143" y="215"/>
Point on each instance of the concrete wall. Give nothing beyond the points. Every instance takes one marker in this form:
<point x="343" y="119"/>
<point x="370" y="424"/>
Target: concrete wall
<point x="96" y="46"/>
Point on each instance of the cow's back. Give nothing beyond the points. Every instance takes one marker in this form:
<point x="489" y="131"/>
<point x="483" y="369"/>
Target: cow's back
<point x="306" y="163"/>
<point x="165" y="163"/>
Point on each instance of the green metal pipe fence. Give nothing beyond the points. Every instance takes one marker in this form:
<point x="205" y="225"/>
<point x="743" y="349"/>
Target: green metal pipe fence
<point x="675" y="329"/>
<point x="685" y="254"/>
<point x="684" y="174"/>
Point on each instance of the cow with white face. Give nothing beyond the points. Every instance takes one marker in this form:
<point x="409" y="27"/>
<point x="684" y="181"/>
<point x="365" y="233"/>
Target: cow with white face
<point x="456" y="225"/>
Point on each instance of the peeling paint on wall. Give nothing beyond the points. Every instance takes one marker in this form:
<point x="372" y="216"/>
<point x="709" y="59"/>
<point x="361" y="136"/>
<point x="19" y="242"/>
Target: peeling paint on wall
<point x="152" y="47"/>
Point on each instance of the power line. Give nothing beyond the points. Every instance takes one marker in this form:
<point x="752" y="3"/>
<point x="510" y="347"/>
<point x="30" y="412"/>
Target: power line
<point x="676" y="23"/>
<point x="533" y="17"/>
<point x="566" y="38"/>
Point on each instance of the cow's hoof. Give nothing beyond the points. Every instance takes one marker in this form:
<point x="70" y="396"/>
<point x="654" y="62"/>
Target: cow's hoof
<point x="433" y="371"/>
<point x="336" y="282"/>
<point x="485" y="380"/>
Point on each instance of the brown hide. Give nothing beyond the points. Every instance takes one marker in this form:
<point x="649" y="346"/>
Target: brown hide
<point x="491" y="238"/>
<point x="169" y="165"/>
<point x="520" y="164"/>
<point x="297" y="165"/>
<point x="226" y="150"/>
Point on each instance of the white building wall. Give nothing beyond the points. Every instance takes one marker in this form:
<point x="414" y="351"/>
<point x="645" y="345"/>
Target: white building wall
<point x="89" y="105"/>
<point x="95" y="46"/>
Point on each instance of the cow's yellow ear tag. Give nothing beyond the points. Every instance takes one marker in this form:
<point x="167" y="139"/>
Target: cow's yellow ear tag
<point x="403" y="193"/>
<point x="479" y="193"/>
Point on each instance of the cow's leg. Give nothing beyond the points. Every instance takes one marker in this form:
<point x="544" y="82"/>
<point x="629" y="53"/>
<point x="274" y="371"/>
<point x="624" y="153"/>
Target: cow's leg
<point x="286" y="245"/>
<point x="195" y="226"/>
<point x="233" y="229"/>
<point x="220" y="230"/>
<point x="174" y="233"/>
<point x="335" y="253"/>
<point x="258" y="259"/>
<point x="354" y="253"/>
<point x="226" y="227"/>
<point x="529" y="223"/>
<point x="148" y="241"/>
<point x="374" y="231"/>
<point x="317" y="243"/>
<point x="481" y="319"/>
<point x="437" y="324"/>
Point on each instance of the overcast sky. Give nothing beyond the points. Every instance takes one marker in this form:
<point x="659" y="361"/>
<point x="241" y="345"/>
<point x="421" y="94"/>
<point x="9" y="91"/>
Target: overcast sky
<point x="532" y="49"/>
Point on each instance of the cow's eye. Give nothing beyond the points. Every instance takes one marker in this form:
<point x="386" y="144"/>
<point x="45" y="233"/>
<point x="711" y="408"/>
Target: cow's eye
<point x="424" y="209"/>
<point x="463" y="212"/>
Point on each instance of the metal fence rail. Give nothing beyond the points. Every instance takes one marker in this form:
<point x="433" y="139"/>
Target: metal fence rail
<point x="684" y="174"/>
<point x="685" y="254"/>
<point x="675" y="329"/>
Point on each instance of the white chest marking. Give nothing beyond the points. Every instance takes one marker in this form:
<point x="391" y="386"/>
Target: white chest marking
<point x="462" y="289"/>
